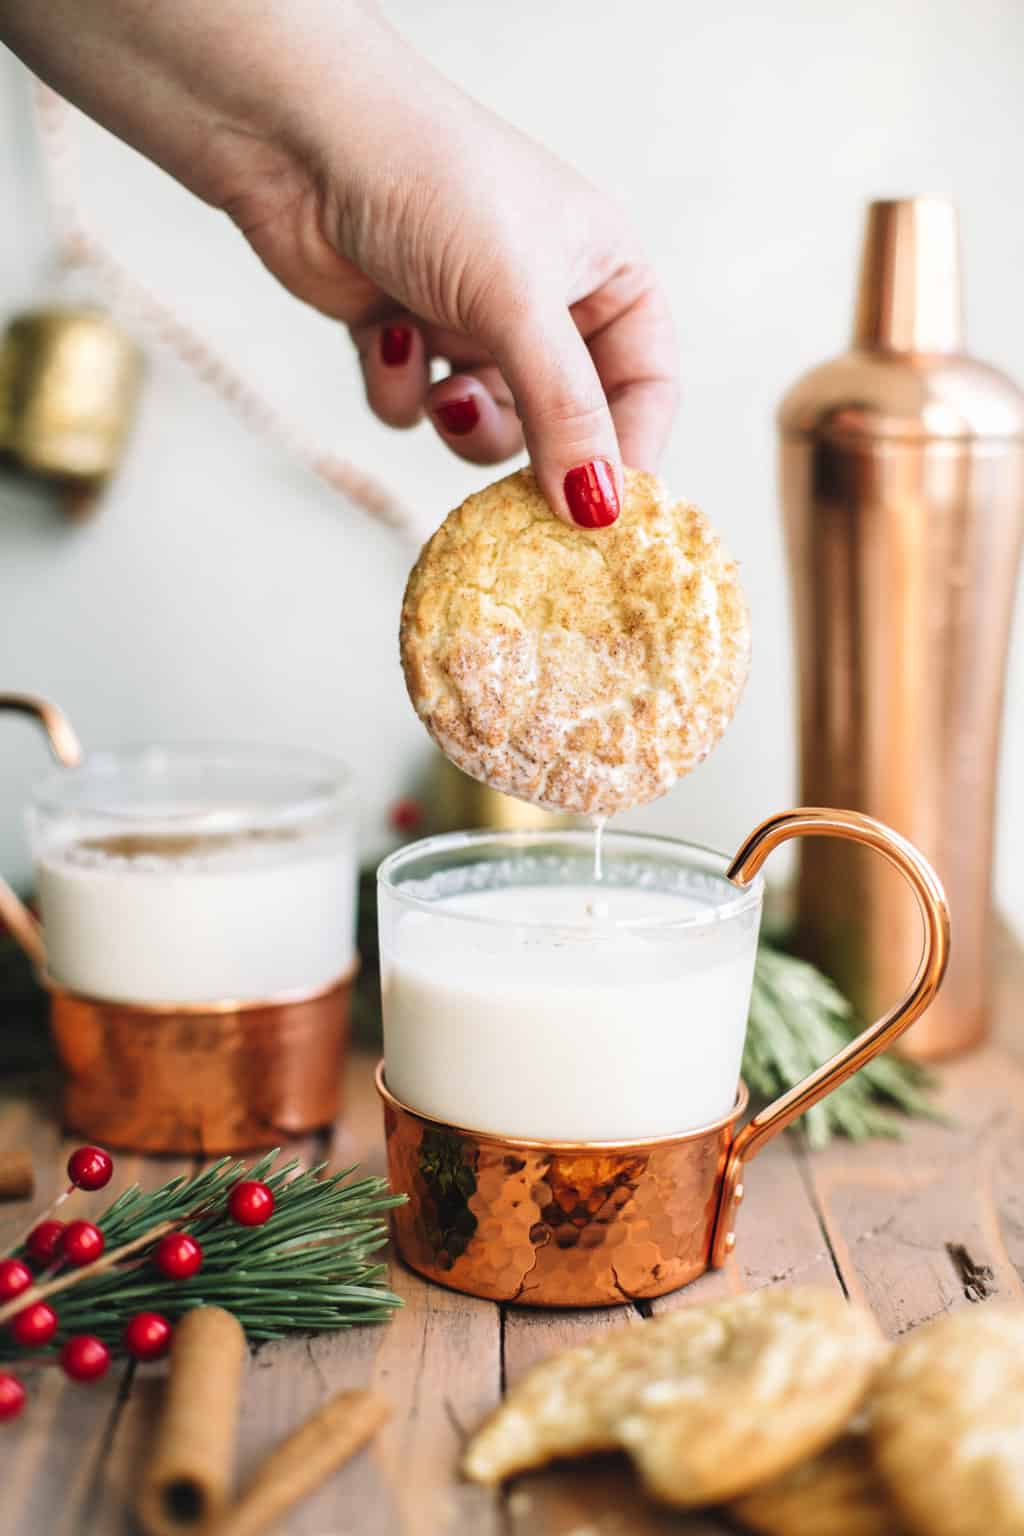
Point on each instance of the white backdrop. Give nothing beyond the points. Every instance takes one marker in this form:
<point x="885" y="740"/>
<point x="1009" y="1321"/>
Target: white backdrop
<point x="222" y="592"/>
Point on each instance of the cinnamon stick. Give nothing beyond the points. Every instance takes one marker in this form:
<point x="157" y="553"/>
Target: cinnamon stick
<point x="304" y="1460"/>
<point x="16" y="1177"/>
<point x="187" y="1480"/>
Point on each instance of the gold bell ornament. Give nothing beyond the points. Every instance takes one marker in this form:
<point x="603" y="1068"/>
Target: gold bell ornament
<point x="457" y="802"/>
<point x="69" y="388"/>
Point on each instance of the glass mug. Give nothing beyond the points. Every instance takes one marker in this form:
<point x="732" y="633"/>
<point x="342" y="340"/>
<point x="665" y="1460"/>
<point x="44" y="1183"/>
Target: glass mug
<point x="197" y="937"/>
<point x="561" y="1072"/>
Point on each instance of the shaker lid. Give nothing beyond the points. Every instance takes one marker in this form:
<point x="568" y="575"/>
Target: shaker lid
<point x="910" y="293"/>
<point x="907" y="375"/>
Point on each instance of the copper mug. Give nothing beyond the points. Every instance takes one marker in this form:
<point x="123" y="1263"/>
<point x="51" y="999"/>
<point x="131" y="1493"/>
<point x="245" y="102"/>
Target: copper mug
<point x="509" y="1206"/>
<point x="231" y="1035"/>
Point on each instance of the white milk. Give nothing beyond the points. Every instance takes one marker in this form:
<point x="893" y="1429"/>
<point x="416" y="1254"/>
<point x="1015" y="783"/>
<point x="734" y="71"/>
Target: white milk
<point x="580" y="1028"/>
<point x="199" y="919"/>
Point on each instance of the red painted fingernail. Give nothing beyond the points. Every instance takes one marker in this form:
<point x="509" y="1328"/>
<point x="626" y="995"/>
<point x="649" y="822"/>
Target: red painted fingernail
<point x="591" y="494"/>
<point x="458" y="416"/>
<point x="395" y="345"/>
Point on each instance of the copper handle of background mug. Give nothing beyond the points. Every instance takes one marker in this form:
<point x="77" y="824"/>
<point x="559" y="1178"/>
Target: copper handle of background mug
<point x="931" y="899"/>
<point x="65" y="748"/>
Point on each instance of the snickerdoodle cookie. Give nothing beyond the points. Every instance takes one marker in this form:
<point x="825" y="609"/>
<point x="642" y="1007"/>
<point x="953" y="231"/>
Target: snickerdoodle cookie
<point x="947" y="1425"/>
<point x="585" y="670"/>
<point x="708" y="1401"/>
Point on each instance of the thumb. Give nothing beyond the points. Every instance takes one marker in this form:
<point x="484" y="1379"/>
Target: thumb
<point x="567" y="425"/>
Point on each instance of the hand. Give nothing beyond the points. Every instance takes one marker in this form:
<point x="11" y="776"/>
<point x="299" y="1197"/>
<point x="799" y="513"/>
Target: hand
<point x="376" y="191"/>
<point x="435" y="230"/>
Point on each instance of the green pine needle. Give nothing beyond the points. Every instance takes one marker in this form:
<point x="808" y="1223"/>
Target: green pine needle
<point x="311" y="1267"/>
<point x="799" y="1019"/>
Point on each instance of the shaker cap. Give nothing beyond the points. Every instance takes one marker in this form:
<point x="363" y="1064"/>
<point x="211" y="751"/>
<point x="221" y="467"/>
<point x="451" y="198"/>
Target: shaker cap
<point x="910" y="293"/>
<point x="906" y="375"/>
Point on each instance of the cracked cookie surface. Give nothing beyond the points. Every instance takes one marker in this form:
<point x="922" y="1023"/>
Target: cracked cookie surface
<point x="584" y="670"/>
<point x="947" y="1425"/>
<point x="708" y="1401"/>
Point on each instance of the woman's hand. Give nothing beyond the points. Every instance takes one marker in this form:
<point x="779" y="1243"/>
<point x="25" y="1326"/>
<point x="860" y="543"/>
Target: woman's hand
<point x="378" y="192"/>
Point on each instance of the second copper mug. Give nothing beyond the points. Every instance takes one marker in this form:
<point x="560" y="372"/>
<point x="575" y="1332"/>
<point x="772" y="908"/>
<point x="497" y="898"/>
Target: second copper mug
<point x="561" y="1142"/>
<point x="198" y="938"/>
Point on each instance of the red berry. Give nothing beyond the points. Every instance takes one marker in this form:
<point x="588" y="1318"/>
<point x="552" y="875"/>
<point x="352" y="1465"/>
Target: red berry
<point x="36" y="1324"/>
<point x="82" y="1243"/>
<point x="251" y="1203"/>
<point x="43" y="1242"/>
<point x="12" y="1396"/>
<point x="178" y="1256"/>
<point x="406" y="815"/>
<point x="15" y="1277"/>
<point x="90" y="1167"/>
<point x="147" y="1336"/>
<point x="84" y="1358"/>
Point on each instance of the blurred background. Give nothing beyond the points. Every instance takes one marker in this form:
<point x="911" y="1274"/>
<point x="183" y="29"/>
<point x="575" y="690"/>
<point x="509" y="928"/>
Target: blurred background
<point x="221" y="591"/>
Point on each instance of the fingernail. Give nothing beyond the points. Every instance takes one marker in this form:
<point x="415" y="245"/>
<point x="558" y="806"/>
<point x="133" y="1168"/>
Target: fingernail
<point x="591" y="494"/>
<point x="458" y="416"/>
<point x="395" y="345"/>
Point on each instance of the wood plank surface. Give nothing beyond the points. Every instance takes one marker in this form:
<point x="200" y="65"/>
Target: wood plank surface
<point x="934" y="1221"/>
<point x="912" y="1228"/>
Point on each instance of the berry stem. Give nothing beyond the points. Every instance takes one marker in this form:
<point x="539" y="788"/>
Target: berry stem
<point x="65" y="1282"/>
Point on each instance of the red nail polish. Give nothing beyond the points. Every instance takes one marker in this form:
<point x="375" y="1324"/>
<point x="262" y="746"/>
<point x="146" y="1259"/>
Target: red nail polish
<point x="591" y="494"/>
<point x="458" y="416"/>
<point x="395" y="345"/>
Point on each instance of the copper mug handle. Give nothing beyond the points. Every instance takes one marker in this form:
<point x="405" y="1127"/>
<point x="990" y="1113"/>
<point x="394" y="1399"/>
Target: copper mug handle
<point x="65" y="747"/>
<point x="931" y="899"/>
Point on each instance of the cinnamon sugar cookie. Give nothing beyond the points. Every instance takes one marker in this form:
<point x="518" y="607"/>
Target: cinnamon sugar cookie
<point x="585" y="670"/>
<point x="947" y="1425"/>
<point x="708" y="1401"/>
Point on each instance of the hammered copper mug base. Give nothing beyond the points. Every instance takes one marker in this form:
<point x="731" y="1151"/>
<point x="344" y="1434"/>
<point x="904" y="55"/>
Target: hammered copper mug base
<point x="204" y="1078"/>
<point x="547" y="1224"/>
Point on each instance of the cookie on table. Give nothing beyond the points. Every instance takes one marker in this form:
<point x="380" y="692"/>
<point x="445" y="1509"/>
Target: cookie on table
<point x="584" y="670"/>
<point x="836" y="1493"/>
<point x="708" y="1401"/>
<point x="947" y="1425"/>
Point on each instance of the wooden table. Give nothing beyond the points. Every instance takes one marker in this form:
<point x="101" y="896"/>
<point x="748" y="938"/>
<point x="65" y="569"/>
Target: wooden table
<point x="911" y="1228"/>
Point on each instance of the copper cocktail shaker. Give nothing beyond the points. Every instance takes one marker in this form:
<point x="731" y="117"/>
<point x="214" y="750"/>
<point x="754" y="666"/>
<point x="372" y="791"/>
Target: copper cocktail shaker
<point x="903" y="492"/>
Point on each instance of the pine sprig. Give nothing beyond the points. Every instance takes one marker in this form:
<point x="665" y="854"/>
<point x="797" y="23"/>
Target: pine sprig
<point x="311" y="1267"/>
<point x="798" y="1019"/>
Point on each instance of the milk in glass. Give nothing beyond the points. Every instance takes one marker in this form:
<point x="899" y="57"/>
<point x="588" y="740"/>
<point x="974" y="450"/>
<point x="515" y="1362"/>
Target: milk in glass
<point x="198" y="918"/>
<point x="575" y="1011"/>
